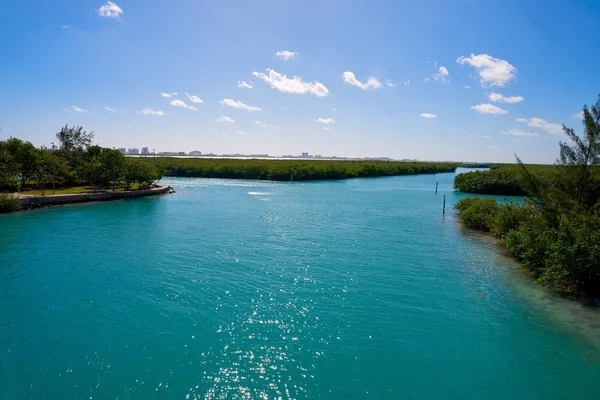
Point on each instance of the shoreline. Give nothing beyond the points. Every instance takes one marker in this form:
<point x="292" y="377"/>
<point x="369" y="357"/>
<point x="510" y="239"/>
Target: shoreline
<point x="32" y="202"/>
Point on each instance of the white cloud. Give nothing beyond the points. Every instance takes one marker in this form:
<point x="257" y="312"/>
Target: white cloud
<point x="492" y="71"/>
<point x="245" y="85"/>
<point x="107" y="108"/>
<point x="78" y="109"/>
<point x="578" y="115"/>
<point x="326" y="128"/>
<point x="407" y="82"/>
<point x="285" y="55"/>
<point x="292" y="85"/>
<point x="110" y="10"/>
<point x="168" y="95"/>
<point x="542" y="124"/>
<point x="390" y="83"/>
<point x="179" y="103"/>
<point x="518" y="132"/>
<point x="66" y="27"/>
<point x="261" y="124"/>
<point x="325" y="120"/>
<point x="224" y="119"/>
<point x="486" y="137"/>
<point x="148" y="111"/>
<point x="488" y="109"/>
<point x="194" y="99"/>
<point x="371" y="82"/>
<point x="428" y="116"/>
<point x="497" y="97"/>
<point x="243" y="133"/>
<point x="467" y="87"/>
<point x="513" y="99"/>
<point x="442" y="75"/>
<point x="238" y="104"/>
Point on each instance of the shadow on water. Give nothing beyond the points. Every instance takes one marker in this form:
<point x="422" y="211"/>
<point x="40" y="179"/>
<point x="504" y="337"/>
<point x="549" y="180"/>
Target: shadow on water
<point x="579" y="318"/>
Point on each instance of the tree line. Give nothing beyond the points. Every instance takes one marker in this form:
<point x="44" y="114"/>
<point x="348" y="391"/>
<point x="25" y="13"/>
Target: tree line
<point x="555" y="232"/>
<point x="297" y="170"/>
<point x="75" y="161"/>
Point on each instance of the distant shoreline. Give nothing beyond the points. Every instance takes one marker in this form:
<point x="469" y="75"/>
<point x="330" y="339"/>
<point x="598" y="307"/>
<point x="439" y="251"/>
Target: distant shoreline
<point x="293" y="170"/>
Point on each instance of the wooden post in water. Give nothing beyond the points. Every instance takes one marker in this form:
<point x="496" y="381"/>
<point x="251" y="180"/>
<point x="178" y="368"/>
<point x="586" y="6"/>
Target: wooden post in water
<point x="444" y="206"/>
<point x="436" y="185"/>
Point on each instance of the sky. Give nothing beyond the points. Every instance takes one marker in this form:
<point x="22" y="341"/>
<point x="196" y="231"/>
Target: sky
<point x="461" y="80"/>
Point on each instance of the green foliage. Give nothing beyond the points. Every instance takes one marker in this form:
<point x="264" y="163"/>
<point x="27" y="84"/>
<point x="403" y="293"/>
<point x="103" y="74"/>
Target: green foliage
<point x="76" y="163"/>
<point x="281" y="170"/>
<point x="485" y="214"/>
<point x="574" y="184"/>
<point x="8" y="170"/>
<point x="49" y="169"/>
<point x="74" y="138"/>
<point x="496" y="181"/>
<point x="24" y="158"/>
<point x="556" y="235"/>
<point x="137" y="171"/>
<point x="102" y="166"/>
<point x="477" y="213"/>
<point x="8" y="203"/>
<point x="73" y="143"/>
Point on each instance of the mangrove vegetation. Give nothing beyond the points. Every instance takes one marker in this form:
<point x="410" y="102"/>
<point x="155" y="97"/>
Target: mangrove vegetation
<point x="555" y="233"/>
<point x="297" y="170"/>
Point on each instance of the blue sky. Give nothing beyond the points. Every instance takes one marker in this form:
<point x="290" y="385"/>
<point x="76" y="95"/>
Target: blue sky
<point x="433" y="80"/>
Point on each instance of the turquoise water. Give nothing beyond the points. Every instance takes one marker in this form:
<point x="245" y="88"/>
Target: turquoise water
<point x="349" y="289"/>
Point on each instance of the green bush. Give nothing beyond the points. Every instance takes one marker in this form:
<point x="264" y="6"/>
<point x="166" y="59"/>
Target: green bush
<point x="8" y="203"/>
<point x="477" y="213"/>
<point x="564" y="258"/>
<point x="498" y="182"/>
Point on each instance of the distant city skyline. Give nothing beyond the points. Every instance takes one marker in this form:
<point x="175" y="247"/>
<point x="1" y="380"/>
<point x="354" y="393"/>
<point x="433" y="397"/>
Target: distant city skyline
<point x="433" y="80"/>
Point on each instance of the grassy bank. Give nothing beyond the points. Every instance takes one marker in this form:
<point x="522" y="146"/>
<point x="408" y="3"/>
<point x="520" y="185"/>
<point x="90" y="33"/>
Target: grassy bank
<point x="119" y="187"/>
<point x="282" y="170"/>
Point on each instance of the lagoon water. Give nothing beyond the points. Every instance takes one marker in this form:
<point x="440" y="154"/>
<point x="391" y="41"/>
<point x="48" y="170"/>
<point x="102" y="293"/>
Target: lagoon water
<point x="350" y="289"/>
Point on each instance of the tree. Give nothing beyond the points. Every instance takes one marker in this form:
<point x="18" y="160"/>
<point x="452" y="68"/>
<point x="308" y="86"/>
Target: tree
<point x="8" y="170"/>
<point x="74" y="138"/>
<point x="103" y="166"/>
<point x="73" y="142"/>
<point x="137" y="171"/>
<point x="574" y="186"/>
<point x="49" y="169"/>
<point x="24" y="158"/>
